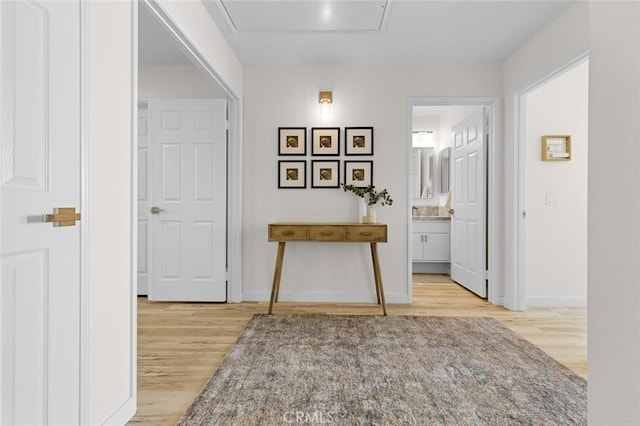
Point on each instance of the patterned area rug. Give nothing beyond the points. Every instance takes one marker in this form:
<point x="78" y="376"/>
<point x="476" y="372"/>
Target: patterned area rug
<point x="376" y="370"/>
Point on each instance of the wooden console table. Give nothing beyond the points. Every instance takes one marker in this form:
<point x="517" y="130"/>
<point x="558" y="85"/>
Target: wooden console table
<point x="282" y="232"/>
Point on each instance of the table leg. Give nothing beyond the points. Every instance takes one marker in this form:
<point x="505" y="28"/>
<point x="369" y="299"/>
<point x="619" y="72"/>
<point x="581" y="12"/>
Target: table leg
<point x="277" y="274"/>
<point x="378" y="277"/>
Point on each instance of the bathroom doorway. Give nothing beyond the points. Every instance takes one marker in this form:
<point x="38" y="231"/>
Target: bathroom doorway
<point x="440" y="129"/>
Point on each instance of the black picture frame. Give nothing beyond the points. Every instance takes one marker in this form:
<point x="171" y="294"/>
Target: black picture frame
<point x="292" y="141"/>
<point x="325" y="141"/>
<point x="325" y="174"/>
<point x="358" y="173"/>
<point x="292" y="174"/>
<point x="358" y="140"/>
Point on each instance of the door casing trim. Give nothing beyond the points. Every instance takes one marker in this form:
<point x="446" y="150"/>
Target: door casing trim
<point x="494" y="169"/>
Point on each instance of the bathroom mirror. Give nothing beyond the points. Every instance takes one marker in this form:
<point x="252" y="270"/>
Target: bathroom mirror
<point x="445" y="155"/>
<point x="422" y="172"/>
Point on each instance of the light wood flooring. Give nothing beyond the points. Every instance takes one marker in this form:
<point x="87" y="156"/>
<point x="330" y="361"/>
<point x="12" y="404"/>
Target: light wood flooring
<point x="181" y="344"/>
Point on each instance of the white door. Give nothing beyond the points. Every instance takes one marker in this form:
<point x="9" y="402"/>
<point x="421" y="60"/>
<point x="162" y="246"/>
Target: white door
<point x="189" y="199"/>
<point x="468" y="222"/>
<point x="144" y="194"/>
<point x="40" y="161"/>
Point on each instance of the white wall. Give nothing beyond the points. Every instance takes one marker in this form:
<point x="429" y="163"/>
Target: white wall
<point x="363" y="96"/>
<point x="562" y="41"/>
<point x="176" y="81"/>
<point x="556" y="268"/>
<point x="614" y="211"/>
<point x="111" y="314"/>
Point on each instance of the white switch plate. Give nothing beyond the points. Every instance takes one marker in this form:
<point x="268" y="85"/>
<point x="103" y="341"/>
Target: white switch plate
<point x="551" y="199"/>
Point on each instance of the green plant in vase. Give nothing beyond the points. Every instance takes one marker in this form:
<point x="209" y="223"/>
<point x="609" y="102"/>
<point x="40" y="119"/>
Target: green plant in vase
<point x="371" y="196"/>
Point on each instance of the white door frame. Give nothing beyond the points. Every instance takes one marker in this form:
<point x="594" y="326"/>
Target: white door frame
<point x="516" y="295"/>
<point x="493" y="193"/>
<point x="234" y="152"/>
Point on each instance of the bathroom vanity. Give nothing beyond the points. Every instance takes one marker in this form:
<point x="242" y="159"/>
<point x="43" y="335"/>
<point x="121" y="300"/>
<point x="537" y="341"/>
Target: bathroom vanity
<point x="431" y="244"/>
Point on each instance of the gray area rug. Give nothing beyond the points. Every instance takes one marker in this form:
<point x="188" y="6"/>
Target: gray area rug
<point x="395" y="370"/>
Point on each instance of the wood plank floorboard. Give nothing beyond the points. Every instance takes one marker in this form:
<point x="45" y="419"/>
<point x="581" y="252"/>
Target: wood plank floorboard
<point x="181" y="344"/>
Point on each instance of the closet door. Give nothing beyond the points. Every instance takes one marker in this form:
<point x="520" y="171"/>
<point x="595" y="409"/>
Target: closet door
<point x="188" y="208"/>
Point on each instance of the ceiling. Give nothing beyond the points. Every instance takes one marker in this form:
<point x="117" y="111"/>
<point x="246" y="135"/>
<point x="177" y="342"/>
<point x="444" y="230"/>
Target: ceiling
<point x="360" y="31"/>
<point x="378" y="31"/>
<point x="155" y="45"/>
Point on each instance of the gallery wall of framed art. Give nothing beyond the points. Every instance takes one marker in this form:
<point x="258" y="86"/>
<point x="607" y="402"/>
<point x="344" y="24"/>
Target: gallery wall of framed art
<point x="324" y="170"/>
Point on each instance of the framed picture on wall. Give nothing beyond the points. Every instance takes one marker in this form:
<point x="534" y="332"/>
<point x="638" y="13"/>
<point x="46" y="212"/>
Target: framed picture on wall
<point x="325" y="141"/>
<point x="358" y="140"/>
<point x="358" y="173"/>
<point x="325" y="174"/>
<point x="292" y="141"/>
<point x="292" y="174"/>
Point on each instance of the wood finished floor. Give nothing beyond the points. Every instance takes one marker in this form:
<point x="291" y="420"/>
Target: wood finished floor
<point x="181" y="344"/>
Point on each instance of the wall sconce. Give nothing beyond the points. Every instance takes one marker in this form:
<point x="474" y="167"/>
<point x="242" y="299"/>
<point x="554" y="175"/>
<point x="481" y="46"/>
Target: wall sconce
<point x="325" y="99"/>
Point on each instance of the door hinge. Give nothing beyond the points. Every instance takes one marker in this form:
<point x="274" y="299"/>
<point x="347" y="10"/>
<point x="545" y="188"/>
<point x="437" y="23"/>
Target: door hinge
<point x="226" y="274"/>
<point x="486" y="275"/>
<point x="524" y="214"/>
<point x="226" y="124"/>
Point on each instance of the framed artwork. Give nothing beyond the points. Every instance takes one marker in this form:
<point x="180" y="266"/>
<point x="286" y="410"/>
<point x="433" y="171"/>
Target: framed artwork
<point x="358" y="140"/>
<point x="325" y="174"/>
<point x="325" y="141"/>
<point x="292" y="141"/>
<point x="292" y="174"/>
<point x="358" y="173"/>
<point x="556" y="148"/>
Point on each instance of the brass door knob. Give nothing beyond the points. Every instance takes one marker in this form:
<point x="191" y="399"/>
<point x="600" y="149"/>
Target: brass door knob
<point x="63" y="216"/>
<point x="156" y="210"/>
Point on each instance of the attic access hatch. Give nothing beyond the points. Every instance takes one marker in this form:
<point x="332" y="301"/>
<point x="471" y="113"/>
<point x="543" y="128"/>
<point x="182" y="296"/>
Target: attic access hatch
<point x="305" y="16"/>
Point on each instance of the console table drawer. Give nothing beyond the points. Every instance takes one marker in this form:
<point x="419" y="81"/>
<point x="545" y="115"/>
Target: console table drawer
<point x="327" y="233"/>
<point x="364" y="233"/>
<point x="288" y="232"/>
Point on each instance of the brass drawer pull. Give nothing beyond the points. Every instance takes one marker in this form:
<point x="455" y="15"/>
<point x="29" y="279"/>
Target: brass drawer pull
<point x="326" y="233"/>
<point x="366" y="234"/>
<point x="288" y="232"/>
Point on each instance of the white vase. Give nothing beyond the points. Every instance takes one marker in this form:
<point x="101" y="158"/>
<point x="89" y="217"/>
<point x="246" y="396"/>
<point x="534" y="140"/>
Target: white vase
<point x="371" y="215"/>
<point x="362" y="211"/>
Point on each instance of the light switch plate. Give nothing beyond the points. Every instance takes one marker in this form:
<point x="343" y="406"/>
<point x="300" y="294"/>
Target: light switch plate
<point x="551" y="199"/>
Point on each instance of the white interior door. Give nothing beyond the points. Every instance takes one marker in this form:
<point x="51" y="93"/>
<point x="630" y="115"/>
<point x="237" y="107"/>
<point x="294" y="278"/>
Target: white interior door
<point x="468" y="222"/>
<point x="40" y="267"/>
<point x="189" y="199"/>
<point x="144" y="196"/>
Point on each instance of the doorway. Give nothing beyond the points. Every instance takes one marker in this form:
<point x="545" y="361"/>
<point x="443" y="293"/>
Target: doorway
<point x="489" y="266"/>
<point x="553" y="190"/>
<point x="169" y="66"/>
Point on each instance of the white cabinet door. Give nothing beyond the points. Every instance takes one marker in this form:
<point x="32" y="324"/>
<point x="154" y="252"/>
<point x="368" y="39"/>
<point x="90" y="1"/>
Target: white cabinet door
<point x="468" y="223"/>
<point x="436" y="247"/>
<point x="417" y="246"/>
<point x="40" y="171"/>
<point x="189" y="170"/>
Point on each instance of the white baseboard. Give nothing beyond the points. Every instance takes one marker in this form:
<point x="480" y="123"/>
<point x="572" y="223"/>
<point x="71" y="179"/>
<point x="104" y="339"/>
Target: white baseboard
<point x="557" y="302"/>
<point x="322" y="297"/>
<point x="123" y="414"/>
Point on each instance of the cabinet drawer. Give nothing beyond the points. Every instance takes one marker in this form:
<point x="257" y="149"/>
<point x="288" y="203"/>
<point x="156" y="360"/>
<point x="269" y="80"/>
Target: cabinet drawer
<point x="327" y="233"/>
<point x="288" y="232"/>
<point x="428" y="226"/>
<point x="374" y="234"/>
